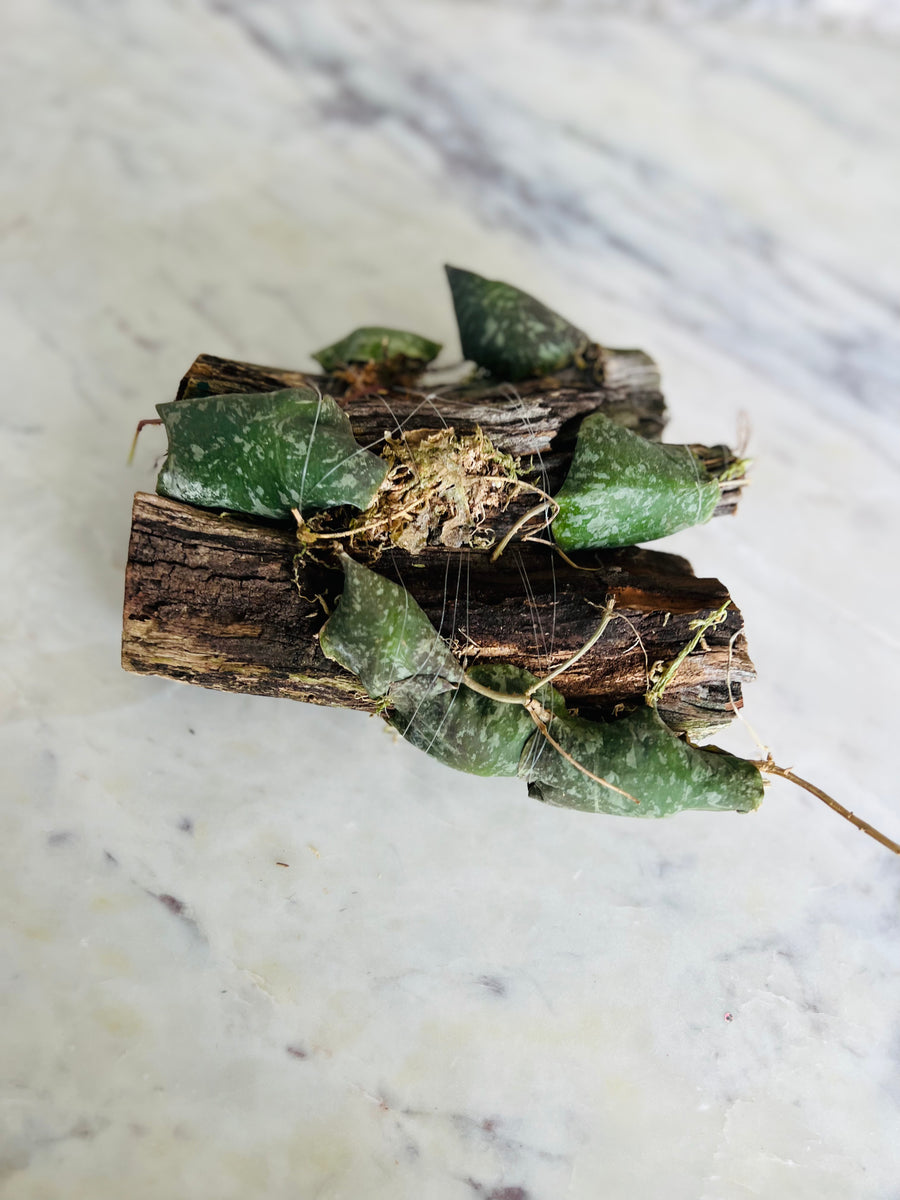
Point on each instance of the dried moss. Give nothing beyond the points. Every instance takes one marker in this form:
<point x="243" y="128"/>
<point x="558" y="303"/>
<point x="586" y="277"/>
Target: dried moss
<point x="439" y="489"/>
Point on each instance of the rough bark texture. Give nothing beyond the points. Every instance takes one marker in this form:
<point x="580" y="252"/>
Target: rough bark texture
<point x="223" y="602"/>
<point x="214" y="601"/>
<point x="536" y="420"/>
<point x="523" y="418"/>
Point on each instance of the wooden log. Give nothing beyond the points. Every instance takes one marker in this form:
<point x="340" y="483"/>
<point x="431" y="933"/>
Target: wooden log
<point x="536" y="420"/>
<point x="524" y="418"/>
<point x="223" y="602"/>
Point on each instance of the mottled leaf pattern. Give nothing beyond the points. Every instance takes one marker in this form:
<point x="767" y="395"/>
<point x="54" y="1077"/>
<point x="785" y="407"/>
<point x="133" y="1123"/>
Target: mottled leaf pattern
<point x="622" y="489"/>
<point x="372" y="343"/>
<point x="639" y="754"/>
<point x="380" y="634"/>
<point x="465" y="729"/>
<point x="508" y="332"/>
<point x="266" y="454"/>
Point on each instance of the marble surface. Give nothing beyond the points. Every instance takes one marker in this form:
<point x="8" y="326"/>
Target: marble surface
<point x="450" y="991"/>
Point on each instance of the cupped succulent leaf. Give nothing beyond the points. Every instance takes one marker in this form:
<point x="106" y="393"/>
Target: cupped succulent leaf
<point x="622" y="489"/>
<point x="372" y="343"/>
<point x="641" y="755"/>
<point x="265" y="454"/>
<point x="380" y="633"/>
<point x="508" y="332"/>
<point x="465" y="729"/>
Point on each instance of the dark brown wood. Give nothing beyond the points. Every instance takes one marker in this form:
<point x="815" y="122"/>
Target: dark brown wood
<point x="523" y="419"/>
<point x="536" y="420"/>
<point x="221" y="602"/>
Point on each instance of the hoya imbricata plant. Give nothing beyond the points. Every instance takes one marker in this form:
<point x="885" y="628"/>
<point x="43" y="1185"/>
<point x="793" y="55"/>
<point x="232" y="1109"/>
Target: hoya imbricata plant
<point x="292" y="454"/>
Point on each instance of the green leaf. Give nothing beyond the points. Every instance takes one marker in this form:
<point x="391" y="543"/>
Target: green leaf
<point x="465" y="729"/>
<point x="622" y="489"/>
<point x="508" y="332"/>
<point x="380" y="634"/>
<point x="266" y="454"/>
<point x="639" y="754"/>
<point x="372" y="343"/>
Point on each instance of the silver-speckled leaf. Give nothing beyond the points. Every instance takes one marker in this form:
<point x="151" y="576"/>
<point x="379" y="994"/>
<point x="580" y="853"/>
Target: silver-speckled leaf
<point x="380" y="634"/>
<point x="639" y="754"/>
<point x="622" y="489"/>
<point x="372" y="343"/>
<point x="266" y="454"/>
<point x="508" y="332"/>
<point x="464" y="729"/>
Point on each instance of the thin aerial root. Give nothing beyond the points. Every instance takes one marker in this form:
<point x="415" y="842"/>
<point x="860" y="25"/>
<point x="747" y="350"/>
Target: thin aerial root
<point x="549" y="502"/>
<point x="137" y="434"/>
<point x="493" y="694"/>
<point x="541" y="715"/>
<point x="523" y="520"/>
<point x="574" y="761"/>
<point x="770" y="768"/>
<point x="639" y="642"/>
<point x="578" y="566"/>
<point x="515" y="482"/>
<point x="595" y="637"/>
<point x="562" y="554"/>
<point x="671" y="670"/>
<point x="533" y="487"/>
<point x="295" y="574"/>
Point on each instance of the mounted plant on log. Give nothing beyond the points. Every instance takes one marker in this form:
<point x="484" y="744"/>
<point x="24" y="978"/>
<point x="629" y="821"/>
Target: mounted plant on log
<point x="495" y="720"/>
<point x="548" y="450"/>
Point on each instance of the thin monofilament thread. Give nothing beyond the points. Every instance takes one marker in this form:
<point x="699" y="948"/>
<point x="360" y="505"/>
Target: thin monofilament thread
<point x="531" y="705"/>
<point x="544" y="731"/>
<point x="595" y="637"/>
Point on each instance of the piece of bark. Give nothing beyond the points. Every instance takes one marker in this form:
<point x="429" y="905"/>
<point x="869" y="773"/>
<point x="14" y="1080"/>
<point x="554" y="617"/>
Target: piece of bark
<point x="536" y="419"/>
<point x="524" y="418"/>
<point x="222" y="602"/>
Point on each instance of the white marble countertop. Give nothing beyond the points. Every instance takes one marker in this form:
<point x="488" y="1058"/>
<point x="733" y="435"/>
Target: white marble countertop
<point x="451" y="991"/>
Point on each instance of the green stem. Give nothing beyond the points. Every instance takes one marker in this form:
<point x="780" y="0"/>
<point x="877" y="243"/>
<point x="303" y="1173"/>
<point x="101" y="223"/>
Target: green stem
<point x="595" y="637"/>
<point x="523" y="520"/>
<point x="544" y="731"/>
<point x="492" y="694"/>
<point x="668" y="675"/>
<point x="526" y="699"/>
